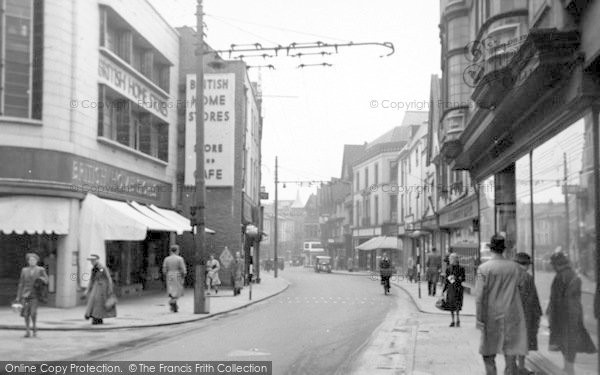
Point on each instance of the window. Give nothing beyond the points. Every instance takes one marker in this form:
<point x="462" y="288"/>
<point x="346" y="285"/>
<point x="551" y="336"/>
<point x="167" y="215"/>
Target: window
<point x="376" y="214"/>
<point x="417" y="157"/>
<point x="133" y="49"/>
<point x="366" y="177"/>
<point x="22" y="47"/>
<point x="393" y="208"/>
<point x="122" y="121"/>
<point x="376" y="177"/>
<point x="458" y="32"/>
<point x="357" y="181"/>
<point x="393" y="172"/>
<point x="458" y="91"/>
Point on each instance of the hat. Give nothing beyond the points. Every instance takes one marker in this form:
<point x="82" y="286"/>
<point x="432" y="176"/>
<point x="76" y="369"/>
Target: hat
<point x="559" y="259"/>
<point x="523" y="258"/>
<point x="29" y="255"/>
<point x="497" y="243"/>
<point x="174" y="248"/>
<point x="93" y="257"/>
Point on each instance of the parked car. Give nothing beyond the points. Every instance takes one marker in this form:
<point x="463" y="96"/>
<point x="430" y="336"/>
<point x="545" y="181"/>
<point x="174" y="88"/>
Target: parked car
<point x="323" y="263"/>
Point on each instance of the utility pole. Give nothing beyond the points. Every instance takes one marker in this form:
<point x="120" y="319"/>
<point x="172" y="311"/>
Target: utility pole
<point x="201" y="303"/>
<point x="566" y="193"/>
<point x="276" y="263"/>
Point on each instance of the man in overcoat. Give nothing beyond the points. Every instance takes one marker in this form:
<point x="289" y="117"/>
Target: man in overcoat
<point x="499" y="311"/>
<point x="434" y="265"/>
<point x="174" y="270"/>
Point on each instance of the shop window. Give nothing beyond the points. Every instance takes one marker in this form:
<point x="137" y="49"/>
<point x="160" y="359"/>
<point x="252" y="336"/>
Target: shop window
<point x="523" y="206"/>
<point x="21" y="31"/>
<point x="563" y="202"/>
<point x="486" y="207"/>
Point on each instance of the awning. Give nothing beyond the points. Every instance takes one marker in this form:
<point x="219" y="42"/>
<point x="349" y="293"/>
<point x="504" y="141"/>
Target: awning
<point x="170" y="225"/>
<point x="34" y="214"/>
<point x="381" y="242"/>
<point x="136" y="215"/>
<point x="180" y="221"/>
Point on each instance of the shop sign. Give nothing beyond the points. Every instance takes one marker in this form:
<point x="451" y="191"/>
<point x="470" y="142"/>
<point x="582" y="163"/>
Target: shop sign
<point x="126" y="84"/>
<point x="219" y="129"/>
<point x="82" y="175"/>
<point x="459" y="214"/>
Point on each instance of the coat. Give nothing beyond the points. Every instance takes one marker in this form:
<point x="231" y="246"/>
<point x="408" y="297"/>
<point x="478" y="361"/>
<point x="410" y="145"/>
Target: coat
<point x="434" y="265"/>
<point x="174" y="270"/>
<point x="499" y="311"/>
<point x="212" y="269"/>
<point x="237" y="274"/>
<point x="27" y="280"/>
<point x="454" y="290"/>
<point x="565" y="314"/>
<point x="531" y="308"/>
<point x="385" y="267"/>
<point x="100" y="288"/>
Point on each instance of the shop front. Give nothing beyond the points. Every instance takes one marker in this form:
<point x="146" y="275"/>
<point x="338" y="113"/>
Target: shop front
<point x="458" y="221"/>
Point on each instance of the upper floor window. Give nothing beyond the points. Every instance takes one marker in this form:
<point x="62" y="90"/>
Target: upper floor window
<point x="118" y="37"/>
<point x="357" y="181"/>
<point x="21" y="48"/>
<point x="122" y="121"/>
<point x="458" y="33"/>
<point x="376" y="176"/>
<point x="366" y="177"/>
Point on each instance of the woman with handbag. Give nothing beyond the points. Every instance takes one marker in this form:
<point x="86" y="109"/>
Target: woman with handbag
<point x="33" y="279"/>
<point x="212" y="274"/>
<point x="455" y="276"/>
<point x="102" y="302"/>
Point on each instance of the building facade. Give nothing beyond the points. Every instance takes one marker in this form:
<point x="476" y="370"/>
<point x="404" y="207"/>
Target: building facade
<point x="530" y="140"/>
<point x="87" y="125"/>
<point x="233" y="134"/>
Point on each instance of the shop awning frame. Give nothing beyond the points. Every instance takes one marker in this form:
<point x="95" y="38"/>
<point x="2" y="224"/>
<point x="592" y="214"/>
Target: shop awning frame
<point x="27" y="214"/>
<point x="381" y="242"/>
<point x="179" y="220"/>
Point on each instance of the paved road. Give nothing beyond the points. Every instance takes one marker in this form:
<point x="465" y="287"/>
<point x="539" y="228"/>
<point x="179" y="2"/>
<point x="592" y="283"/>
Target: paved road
<point x="317" y="326"/>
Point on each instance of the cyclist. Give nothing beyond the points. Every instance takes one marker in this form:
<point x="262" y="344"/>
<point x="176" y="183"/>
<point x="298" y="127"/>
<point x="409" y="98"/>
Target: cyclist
<point x="385" y="270"/>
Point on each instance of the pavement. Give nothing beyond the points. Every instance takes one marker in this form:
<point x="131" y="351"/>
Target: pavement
<point x="148" y="310"/>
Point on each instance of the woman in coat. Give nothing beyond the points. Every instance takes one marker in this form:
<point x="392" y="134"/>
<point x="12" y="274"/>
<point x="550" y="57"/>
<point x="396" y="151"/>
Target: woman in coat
<point x="212" y="276"/>
<point x="100" y="290"/>
<point x="531" y="307"/>
<point x="27" y="293"/>
<point x="455" y="276"/>
<point x="565" y="313"/>
<point x="237" y="274"/>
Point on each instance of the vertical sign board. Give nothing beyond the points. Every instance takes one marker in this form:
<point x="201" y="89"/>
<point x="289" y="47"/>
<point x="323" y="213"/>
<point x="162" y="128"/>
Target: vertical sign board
<point x="219" y="129"/>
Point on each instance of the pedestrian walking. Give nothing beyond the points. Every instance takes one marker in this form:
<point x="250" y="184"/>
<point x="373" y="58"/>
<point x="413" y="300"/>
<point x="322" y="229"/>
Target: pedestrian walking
<point x="531" y="307"/>
<point x="455" y="276"/>
<point x="410" y="269"/>
<point x="32" y="282"/>
<point x="100" y="294"/>
<point x="237" y="274"/>
<point x="565" y="314"/>
<point x="385" y="270"/>
<point x="174" y="270"/>
<point x="350" y="264"/>
<point x="434" y="265"/>
<point x="212" y="277"/>
<point x="499" y="311"/>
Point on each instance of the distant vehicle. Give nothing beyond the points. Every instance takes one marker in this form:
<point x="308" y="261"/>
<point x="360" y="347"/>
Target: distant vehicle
<point x="323" y="263"/>
<point x="311" y="250"/>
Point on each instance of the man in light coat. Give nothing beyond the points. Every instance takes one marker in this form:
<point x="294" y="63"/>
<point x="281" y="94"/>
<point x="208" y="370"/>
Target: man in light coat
<point x="174" y="271"/>
<point x="499" y="311"/>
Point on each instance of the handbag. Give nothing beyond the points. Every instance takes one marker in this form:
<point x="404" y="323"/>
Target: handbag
<point x="441" y="304"/>
<point x="110" y="302"/>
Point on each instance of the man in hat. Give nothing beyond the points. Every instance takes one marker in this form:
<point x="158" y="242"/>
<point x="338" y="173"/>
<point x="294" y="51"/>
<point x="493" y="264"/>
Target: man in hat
<point x="499" y="311"/>
<point x="174" y="270"/>
<point x="434" y="265"/>
<point x="100" y="293"/>
<point x="27" y="293"/>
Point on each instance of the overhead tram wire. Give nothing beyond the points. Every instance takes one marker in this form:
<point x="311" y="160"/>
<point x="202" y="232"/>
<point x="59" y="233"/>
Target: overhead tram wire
<point x="279" y="28"/>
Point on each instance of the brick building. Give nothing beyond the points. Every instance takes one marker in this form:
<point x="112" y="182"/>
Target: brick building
<point x="233" y="133"/>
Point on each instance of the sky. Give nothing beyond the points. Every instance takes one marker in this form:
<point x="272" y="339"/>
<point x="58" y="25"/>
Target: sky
<point x="309" y="114"/>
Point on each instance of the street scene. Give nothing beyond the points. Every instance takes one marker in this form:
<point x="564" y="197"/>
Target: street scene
<point x="316" y="187"/>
